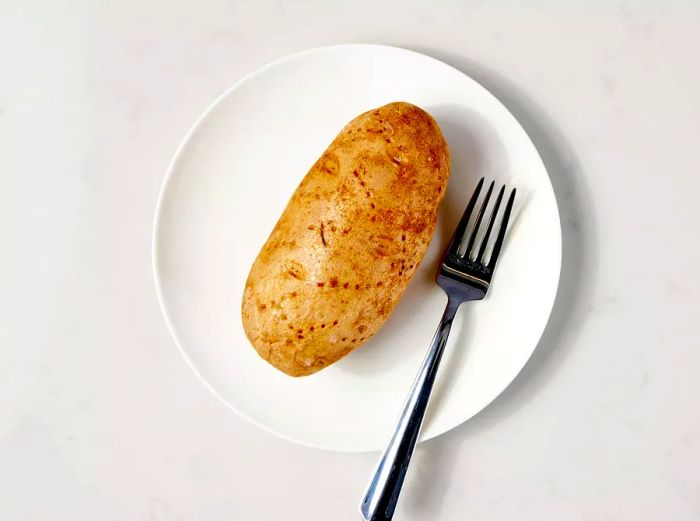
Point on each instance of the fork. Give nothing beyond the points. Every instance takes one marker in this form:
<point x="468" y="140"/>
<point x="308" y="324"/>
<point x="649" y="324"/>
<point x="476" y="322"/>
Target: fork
<point x="464" y="275"/>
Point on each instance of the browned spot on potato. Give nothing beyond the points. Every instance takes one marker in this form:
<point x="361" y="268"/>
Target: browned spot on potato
<point x="334" y="282"/>
<point x="345" y="285"/>
<point x="323" y="237"/>
<point x="283" y="316"/>
<point x="362" y="328"/>
<point x="320" y="284"/>
<point x="335" y="322"/>
<point x="295" y="269"/>
<point x="357" y="286"/>
<point x="328" y="163"/>
<point x="382" y="249"/>
<point x="434" y="157"/>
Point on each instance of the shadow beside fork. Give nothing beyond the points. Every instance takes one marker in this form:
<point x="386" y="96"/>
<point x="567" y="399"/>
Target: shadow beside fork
<point x="428" y="481"/>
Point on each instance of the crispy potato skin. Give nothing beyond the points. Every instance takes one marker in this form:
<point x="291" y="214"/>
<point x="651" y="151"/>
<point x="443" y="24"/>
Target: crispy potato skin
<point x="349" y="240"/>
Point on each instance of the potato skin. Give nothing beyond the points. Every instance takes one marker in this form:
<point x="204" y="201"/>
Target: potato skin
<point x="349" y="240"/>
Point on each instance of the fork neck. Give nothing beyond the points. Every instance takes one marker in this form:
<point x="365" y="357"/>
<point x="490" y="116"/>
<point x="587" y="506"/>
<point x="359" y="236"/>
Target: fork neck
<point x="450" y="309"/>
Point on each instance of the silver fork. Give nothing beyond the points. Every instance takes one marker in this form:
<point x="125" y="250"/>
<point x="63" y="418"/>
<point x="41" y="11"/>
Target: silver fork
<point x="464" y="275"/>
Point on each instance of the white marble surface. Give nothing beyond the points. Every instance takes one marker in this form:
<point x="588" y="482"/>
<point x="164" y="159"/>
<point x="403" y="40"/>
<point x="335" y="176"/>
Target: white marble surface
<point x="101" y="419"/>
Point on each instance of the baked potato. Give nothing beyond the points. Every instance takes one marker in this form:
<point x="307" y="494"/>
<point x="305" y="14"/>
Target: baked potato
<point x="349" y="240"/>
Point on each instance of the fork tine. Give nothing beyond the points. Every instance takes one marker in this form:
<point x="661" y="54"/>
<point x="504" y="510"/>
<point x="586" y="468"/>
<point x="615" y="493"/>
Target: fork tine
<point x="492" y="219"/>
<point x="502" y="231"/>
<point x="477" y="224"/>
<point x="464" y="221"/>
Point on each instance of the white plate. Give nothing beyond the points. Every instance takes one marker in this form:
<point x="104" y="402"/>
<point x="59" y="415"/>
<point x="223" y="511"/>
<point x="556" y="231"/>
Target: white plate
<point x="230" y="180"/>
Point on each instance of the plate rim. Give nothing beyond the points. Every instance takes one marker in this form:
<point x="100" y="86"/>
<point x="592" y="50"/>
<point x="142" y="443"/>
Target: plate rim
<point x="168" y="176"/>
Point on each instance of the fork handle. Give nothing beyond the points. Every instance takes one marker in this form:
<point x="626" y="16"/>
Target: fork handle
<point x="379" y="501"/>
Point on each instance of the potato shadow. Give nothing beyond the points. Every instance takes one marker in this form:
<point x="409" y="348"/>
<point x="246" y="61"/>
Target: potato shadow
<point x="466" y="131"/>
<point x="433" y="465"/>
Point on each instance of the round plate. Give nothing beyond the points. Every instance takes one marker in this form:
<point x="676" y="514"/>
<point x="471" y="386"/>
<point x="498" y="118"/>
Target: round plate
<point x="231" y="178"/>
